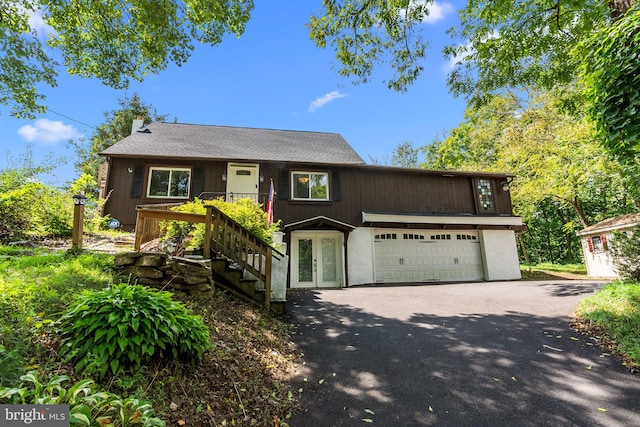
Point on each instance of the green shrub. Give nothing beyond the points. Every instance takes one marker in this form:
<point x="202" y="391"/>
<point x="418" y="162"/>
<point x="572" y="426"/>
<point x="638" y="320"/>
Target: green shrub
<point x="246" y="212"/>
<point x="122" y="328"/>
<point x="625" y="247"/>
<point x="86" y="406"/>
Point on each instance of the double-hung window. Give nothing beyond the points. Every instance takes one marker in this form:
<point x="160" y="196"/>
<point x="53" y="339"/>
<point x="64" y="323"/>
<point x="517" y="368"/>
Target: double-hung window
<point x="169" y="183"/>
<point x="310" y="185"/>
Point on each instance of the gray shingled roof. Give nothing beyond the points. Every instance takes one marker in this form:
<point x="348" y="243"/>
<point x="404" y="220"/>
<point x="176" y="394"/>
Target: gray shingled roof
<point x="622" y="221"/>
<point x="186" y="141"/>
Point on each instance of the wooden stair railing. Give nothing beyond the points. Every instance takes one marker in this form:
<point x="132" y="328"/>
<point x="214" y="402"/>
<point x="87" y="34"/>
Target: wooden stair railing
<point x="225" y="236"/>
<point x="222" y="235"/>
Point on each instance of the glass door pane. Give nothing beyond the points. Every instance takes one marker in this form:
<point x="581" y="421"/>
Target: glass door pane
<point x="329" y="260"/>
<point x="305" y="260"/>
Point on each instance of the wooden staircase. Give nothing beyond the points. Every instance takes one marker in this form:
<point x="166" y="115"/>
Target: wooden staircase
<point x="241" y="262"/>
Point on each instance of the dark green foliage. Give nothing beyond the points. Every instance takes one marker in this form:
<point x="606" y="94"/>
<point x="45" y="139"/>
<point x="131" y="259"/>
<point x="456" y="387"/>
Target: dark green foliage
<point x="611" y="74"/>
<point x="87" y="406"/>
<point x="125" y="327"/>
<point x="117" y="126"/>
<point x="625" y="247"/>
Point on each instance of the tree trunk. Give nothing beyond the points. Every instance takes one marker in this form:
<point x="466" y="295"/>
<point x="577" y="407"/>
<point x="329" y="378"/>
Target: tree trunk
<point x="619" y="7"/>
<point x="577" y="204"/>
<point x="523" y="246"/>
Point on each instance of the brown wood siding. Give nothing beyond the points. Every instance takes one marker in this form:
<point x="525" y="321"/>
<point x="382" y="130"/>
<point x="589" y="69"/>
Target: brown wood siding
<point x="361" y="189"/>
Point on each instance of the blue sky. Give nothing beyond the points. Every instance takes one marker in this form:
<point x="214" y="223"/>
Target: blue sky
<point x="272" y="77"/>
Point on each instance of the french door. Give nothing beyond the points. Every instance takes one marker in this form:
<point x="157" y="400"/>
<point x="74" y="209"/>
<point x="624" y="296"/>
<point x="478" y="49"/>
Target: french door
<point x="317" y="260"/>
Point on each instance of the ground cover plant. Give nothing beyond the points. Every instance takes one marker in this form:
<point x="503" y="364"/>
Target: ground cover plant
<point x="546" y="270"/>
<point x="613" y="315"/>
<point x="240" y="379"/>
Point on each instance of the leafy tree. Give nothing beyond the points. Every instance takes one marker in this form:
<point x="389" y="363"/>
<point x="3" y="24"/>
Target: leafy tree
<point x="116" y="127"/>
<point x="404" y="155"/>
<point x="114" y="41"/>
<point x="27" y="206"/>
<point x="563" y="182"/>
<point x="611" y="74"/>
<point x="368" y="33"/>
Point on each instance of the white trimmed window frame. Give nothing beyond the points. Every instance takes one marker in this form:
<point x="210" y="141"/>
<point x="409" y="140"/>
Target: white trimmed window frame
<point x="171" y="171"/>
<point x="297" y="175"/>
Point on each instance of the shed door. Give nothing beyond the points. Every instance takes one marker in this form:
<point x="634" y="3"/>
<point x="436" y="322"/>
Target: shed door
<point x="427" y="255"/>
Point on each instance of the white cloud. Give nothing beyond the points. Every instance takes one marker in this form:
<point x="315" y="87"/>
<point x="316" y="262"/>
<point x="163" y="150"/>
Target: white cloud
<point x="48" y="132"/>
<point x="467" y="50"/>
<point x="458" y="58"/>
<point x="438" y="11"/>
<point x="325" y="99"/>
<point x="37" y="23"/>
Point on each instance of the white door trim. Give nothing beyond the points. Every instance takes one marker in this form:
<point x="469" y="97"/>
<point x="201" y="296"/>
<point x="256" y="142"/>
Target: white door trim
<point x="317" y="278"/>
<point x="245" y="188"/>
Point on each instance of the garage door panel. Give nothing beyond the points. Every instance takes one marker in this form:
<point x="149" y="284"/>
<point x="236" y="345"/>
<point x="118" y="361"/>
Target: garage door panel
<point x="425" y="255"/>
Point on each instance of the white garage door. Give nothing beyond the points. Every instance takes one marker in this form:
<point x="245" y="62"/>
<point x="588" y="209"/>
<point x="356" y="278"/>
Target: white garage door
<point x="427" y="255"/>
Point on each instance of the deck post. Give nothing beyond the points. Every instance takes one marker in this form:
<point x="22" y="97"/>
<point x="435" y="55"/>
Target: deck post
<point x="140" y="219"/>
<point x="206" y="252"/>
<point x="267" y="279"/>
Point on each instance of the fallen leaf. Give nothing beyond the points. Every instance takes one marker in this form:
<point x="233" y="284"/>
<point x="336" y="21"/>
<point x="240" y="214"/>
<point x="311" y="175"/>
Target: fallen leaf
<point x="181" y="422"/>
<point x="588" y="367"/>
<point x="574" y="338"/>
<point x="321" y="381"/>
<point x="514" y="378"/>
<point x="551" y="348"/>
<point x="496" y="379"/>
<point x="603" y="410"/>
<point x="430" y="409"/>
<point x="367" y="420"/>
<point x="369" y="411"/>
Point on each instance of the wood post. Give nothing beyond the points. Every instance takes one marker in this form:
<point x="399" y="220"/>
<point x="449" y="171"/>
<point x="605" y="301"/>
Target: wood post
<point x="78" y="224"/>
<point x="206" y="250"/>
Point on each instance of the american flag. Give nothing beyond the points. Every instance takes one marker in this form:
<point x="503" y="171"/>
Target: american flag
<point x="270" y="205"/>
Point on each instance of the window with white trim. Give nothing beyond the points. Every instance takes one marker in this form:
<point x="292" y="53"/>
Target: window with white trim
<point x="169" y="183"/>
<point x="310" y="185"/>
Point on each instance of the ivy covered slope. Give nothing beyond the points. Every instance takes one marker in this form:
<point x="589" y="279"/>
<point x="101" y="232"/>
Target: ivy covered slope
<point x="214" y="362"/>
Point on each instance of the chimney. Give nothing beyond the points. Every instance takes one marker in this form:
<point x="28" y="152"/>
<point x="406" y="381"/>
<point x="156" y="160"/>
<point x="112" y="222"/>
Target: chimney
<point x="137" y="124"/>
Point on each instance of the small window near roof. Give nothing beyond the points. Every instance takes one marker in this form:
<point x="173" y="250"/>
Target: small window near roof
<point x="169" y="183"/>
<point x="310" y="185"/>
<point x="484" y="193"/>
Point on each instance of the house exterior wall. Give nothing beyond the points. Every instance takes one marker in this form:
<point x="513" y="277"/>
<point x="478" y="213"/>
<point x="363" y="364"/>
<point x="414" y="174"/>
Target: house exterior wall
<point x="360" y="256"/>
<point x="498" y="248"/>
<point x="599" y="263"/>
<point x="352" y="190"/>
<point x="500" y="255"/>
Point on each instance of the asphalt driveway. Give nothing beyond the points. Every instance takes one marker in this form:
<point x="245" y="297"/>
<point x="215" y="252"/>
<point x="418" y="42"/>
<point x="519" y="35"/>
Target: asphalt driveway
<point x="472" y="354"/>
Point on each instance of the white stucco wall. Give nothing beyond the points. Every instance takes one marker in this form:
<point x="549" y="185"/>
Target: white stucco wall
<point x="500" y="255"/>
<point x="599" y="263"/>
<point x="360" y="256"/>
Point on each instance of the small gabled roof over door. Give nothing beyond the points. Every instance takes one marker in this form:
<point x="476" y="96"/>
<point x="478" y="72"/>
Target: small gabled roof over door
<point x="320" y="223"/>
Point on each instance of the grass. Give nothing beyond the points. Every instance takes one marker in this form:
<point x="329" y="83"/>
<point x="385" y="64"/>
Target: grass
<point x="548" y="271"/>
<point x="242" y="381"/>
<point x="613" y="315"/>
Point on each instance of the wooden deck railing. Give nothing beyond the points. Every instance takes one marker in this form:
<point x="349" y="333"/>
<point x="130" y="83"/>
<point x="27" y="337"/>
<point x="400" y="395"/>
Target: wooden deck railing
<point x="225" y="236"/>
<point x="150" y="216"/>
<point x="222" y="234"/>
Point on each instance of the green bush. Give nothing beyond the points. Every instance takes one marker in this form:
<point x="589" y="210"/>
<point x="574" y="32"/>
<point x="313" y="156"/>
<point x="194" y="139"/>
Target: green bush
<point x="125" y="327"/>
<point x="244" y="211"/>
<point x="86" y="406"/>
<point x="625" y="247"/>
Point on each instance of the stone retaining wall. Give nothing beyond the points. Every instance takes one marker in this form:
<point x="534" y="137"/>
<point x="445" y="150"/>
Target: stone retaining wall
<point x="159" y="270"/>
